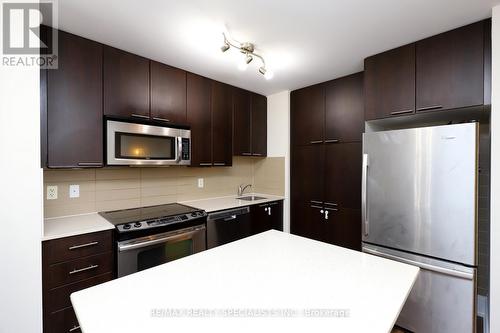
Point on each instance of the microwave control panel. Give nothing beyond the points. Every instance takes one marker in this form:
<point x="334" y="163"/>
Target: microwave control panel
<point x="185" y="149"/>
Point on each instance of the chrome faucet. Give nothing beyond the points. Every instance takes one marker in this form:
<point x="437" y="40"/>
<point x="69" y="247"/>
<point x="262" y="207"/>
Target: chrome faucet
<point x="242" y="189"/>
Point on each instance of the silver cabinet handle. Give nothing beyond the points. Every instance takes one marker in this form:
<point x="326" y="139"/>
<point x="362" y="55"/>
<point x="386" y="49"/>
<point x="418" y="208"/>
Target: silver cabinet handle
<point x="432" y="107"/>
<point x="322" y="211"/>
<point x="90" y="163"/>
<point x="332" y="141"/>
<point x="256" y="154"/>
<point x="83" y="269"/>
<point x="205" y="164"/>
<point x="219" y="164"/>
<point x="326" y="214"/>
<point x="316" y="202"/>
<point x="246" y="154"/>
<point x="332" y="209"/>
<point x="161" y="119"/>
<point x="139" y="116"/>
<point x="402" y="111"/>
<point x="319" y="207"/>
<point x="316" y="142"/>
<point x="74" y="247"/>
<point x="331" y="204"/>
<point x="232" y="217"/>
<point x="74" y="328"/>
<point x="269" y="211"/>
<point x="364" y="208"/>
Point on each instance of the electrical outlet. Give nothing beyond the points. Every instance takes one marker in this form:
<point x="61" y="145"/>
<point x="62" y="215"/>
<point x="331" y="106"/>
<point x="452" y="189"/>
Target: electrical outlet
<point x="74" y="191"/>
<point x="51" y="192"/>
<point x="201" y="183"/>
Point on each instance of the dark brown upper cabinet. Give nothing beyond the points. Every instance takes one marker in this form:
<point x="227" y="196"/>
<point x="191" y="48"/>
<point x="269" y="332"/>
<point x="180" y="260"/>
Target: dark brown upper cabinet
<point x="390" y="83"/>
<point x="222" y="118"/>
<point x="450" y="69"/>
<point x="250" y="123"/>
<point x="308" y="115"/>
<point x="168" y="93"/>
<point x="126" y="84"/>
<point x="199" y="117"/>
<point x="344" y="120"/>
<point x="259" y="125"/>
<point x="74" y="105"/>
<point x="242" y="115"/>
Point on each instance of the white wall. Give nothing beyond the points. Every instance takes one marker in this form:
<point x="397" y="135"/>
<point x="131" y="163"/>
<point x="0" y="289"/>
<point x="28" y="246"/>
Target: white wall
<point x="495" y="177"/>
<point x="278" y="140"/>
<point x="21" y="201"/>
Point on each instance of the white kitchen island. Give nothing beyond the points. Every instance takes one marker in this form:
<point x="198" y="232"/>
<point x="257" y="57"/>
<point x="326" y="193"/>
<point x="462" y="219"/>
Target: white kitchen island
<point x="270" y="282"/>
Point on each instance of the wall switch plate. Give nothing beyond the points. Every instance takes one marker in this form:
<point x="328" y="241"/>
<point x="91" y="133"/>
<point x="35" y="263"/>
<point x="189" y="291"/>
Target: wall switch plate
<point x="201" y="183"/>
<point x="51" y="192"/>
<point x="74" y="191"/>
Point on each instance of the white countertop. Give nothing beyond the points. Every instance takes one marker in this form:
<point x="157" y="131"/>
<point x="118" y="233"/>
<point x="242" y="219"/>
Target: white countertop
<point x="66" y="226"/>
<point x="268" y="271"/>
<point x="221" y="203"/>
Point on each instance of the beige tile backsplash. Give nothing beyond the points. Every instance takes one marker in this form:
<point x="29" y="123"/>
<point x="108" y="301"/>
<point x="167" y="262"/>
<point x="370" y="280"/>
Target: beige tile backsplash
<point x="119" y="188"/>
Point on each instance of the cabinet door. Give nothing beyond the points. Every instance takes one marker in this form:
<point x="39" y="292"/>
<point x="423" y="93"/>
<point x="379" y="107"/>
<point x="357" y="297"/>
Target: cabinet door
<point x="259" y="125"/>
<point x="450" y="69"/>
<point x="343" y="163"/>
<point x="344" y="109"/>
<point x="267" y="216"/>
<point x="343" y="228"/>
<point x="168" y="93"/>
<point x="390" y="83"/>
<point x="307" y="220"/>
<point x="307" y="115"/>
<point x="242" y="110"/>
<point x="126" y="84"/>
<point x="222" y="124"/>
<point x="74" y="105"/>
<point x="199" y="117"/>
<point x="307" y="169"/>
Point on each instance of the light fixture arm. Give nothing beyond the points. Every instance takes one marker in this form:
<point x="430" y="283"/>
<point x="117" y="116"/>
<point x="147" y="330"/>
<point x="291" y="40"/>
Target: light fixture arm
<point x="246" y="50"/>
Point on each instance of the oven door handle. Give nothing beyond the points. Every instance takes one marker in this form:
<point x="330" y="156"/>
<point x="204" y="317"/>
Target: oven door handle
<point x="177" y="236"/>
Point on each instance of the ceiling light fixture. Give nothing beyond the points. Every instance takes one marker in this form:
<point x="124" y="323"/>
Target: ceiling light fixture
<point x="248" y="49"/>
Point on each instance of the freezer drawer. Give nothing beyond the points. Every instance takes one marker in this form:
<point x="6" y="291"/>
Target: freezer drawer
<point x="442" y="299"/>
<point x="419" y="191"/>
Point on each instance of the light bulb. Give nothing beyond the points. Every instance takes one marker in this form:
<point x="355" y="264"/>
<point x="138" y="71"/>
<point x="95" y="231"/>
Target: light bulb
<point x="268" y="75"/>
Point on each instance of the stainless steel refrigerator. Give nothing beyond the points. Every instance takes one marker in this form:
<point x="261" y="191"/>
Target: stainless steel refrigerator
<point x="419" y="206"/>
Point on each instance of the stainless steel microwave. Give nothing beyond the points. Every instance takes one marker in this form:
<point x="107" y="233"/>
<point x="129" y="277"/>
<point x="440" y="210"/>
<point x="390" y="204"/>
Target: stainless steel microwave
<point x="146" y="145"/>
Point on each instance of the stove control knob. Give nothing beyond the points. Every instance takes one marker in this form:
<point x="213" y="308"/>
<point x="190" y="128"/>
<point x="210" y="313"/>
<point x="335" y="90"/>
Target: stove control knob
<point x="126" y="226"/>
<point x="193" y="214"/>
<point x="137" y="224"/>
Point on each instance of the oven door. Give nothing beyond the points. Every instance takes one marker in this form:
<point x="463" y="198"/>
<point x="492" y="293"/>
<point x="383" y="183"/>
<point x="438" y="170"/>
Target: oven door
<point x="137" y="254"/>
<point x="140" y="144"/>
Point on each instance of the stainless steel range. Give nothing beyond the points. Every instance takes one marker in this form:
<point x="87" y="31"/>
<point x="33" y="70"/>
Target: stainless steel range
<point x="150" y="236"/>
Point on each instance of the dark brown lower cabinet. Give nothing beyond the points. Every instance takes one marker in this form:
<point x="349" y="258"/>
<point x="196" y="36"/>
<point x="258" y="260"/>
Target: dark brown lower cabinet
<point x="326" y="198"/>
<point x="71" y="264"/>
<point x="267" y="216"/>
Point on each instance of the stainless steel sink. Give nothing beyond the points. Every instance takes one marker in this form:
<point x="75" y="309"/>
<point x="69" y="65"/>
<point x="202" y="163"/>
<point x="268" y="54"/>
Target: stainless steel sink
<point x="250" y="198"/>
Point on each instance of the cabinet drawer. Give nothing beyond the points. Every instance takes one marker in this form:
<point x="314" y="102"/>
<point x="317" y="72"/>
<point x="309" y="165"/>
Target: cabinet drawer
<point x="58" y="298"/>
<point x="69" y="248"/>
<point x="79" y="269"/>
<point x="63" y="321"/>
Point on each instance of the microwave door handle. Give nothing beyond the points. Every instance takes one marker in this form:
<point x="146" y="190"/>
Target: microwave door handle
<point x="179" y="149"/>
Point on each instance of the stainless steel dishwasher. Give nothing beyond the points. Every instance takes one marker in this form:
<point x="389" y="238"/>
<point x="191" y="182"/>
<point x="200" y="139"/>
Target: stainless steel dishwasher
<point x="227" y="226"/>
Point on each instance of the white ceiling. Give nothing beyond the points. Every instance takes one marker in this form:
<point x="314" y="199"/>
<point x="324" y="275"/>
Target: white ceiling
<point x="303" y="42"/>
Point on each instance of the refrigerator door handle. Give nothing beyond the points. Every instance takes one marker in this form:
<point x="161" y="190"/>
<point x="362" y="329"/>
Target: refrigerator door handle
<point x="428" y="267"/>
<point x="364" y="208"/>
